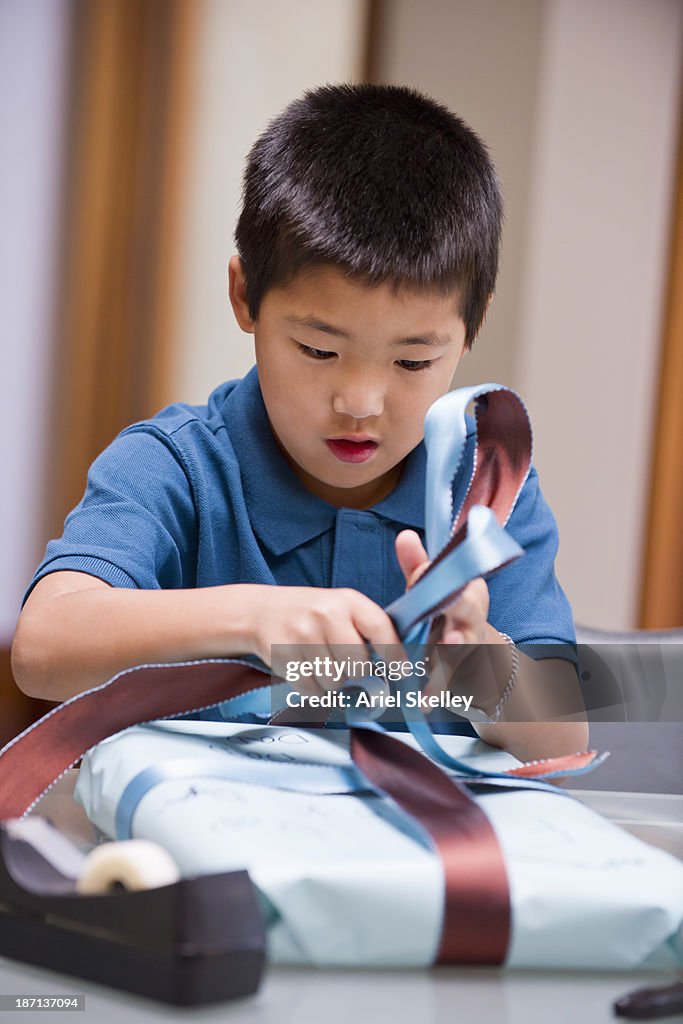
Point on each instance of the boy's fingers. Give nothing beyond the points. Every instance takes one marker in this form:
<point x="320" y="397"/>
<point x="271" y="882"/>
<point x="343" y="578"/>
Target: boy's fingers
<point x="348" y="653"/>
<point x="467" y="614"/>
<point x="375" y="626"/>
<point x="412" y="557"/>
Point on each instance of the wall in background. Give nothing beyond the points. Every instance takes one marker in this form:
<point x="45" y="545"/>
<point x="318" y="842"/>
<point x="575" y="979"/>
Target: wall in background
<point x="482" y="58"/>
<point x="579" y="103"/>
<point x="33" y="58"/>
<point x="252" y="60"/>
<point x="597" y="266"/>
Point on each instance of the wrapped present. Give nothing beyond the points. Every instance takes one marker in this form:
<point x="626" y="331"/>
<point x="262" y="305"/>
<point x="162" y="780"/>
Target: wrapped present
<point x="346" y="878"/>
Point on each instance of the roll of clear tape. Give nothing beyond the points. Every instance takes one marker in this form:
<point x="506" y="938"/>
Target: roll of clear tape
<point x="135" y="864"/>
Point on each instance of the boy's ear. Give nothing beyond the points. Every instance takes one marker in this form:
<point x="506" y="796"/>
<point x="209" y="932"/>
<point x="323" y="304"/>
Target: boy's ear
<point x="237" y="291"/>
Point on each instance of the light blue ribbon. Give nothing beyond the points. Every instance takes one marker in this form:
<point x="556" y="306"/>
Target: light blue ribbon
<point x="316" y="779"/>
<point x="261" y="704"/>
<point x="319" y="779"/>
<point x="486" y="547"/>
<point x="445" y="441"/>
<point x="420" y="729"/>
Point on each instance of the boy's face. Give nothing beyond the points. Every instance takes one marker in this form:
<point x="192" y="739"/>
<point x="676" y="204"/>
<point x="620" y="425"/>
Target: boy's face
<point x="347" y="374"/>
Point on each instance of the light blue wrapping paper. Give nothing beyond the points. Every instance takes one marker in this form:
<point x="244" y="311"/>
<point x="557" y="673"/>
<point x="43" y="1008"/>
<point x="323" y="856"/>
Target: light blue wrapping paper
<point x="348" y="880"/>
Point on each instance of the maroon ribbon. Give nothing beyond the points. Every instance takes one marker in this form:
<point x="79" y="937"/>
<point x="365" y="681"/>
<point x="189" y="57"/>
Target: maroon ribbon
<point x="34" y="760"/>
<point x="503" y="455"/>
<point x="476" y="918"/>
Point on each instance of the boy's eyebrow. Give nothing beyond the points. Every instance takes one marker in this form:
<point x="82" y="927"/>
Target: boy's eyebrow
<point x="430" y="338"/>
<point x="317" y="325"/>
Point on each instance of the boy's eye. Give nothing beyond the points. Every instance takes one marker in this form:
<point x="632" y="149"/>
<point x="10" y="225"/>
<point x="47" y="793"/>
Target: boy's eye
<point x="315" y="353"/>
<point x="415" y="364"/>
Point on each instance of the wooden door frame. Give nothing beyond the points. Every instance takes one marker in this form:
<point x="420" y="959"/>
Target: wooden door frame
<point x="130" y="84"/>
<point x="661" y="603"/>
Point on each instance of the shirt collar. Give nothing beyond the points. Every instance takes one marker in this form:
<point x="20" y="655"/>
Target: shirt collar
<point x="283" y="514"/>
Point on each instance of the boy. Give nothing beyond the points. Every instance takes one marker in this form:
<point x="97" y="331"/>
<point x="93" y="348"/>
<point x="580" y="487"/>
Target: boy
<point x="368" y="251"/>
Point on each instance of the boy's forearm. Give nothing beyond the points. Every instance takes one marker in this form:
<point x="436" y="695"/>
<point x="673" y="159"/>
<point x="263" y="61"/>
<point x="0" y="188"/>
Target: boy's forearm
<point x="530" y="741"/>
<point x="78" y="639"/>
<point x="534" y="720"/>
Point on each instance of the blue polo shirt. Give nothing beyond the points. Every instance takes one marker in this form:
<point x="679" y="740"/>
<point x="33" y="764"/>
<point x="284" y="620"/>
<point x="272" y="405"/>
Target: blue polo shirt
<point x="200" y="496"/>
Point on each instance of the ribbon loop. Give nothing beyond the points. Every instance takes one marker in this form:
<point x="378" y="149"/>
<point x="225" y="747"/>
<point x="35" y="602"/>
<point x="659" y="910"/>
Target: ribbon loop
<point x="500" y="464"/>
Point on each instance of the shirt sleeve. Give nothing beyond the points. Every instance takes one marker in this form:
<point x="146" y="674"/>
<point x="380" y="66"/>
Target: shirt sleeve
<point x="136" y="523"/>
<point x="527" y="602"/>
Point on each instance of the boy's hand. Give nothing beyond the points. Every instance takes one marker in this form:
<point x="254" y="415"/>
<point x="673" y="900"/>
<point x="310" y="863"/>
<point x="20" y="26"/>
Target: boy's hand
<point x="464" y="620"/>
<point x="309" y="622"/>
<point x="305" y="622"/>
<point x="463" y="626"/>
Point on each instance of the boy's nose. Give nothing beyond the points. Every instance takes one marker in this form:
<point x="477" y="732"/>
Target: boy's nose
<point x="359" y="401"/>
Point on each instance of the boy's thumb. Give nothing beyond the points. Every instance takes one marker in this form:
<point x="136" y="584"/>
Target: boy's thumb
<point x="411" y="555"/>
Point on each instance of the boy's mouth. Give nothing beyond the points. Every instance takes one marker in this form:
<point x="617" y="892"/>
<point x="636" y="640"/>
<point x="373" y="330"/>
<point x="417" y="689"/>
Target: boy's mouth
<point x="348" y="449"/>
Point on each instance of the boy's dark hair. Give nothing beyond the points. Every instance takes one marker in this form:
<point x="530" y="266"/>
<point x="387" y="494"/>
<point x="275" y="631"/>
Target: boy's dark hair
<point x="377" y="180"/>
